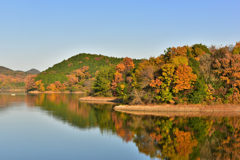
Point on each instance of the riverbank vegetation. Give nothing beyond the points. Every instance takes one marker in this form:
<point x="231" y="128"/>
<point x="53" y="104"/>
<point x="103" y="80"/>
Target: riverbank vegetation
<point x="182" y="75"/>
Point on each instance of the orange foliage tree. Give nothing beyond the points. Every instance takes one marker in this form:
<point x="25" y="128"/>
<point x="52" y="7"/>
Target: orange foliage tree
<point x="228" y="67"/>
<point x="82" y="73"/>
<point x="179" y="51"/>
<point x="56" y="86"/>
<point x="184" y="78"/>
<point x="120" y="76"/>
<point x="30" y="83"/>
<point x="128" y="62"/>
<point x="51" y="87"/>
<point x="120" y="67"/>
<point x="72" y="79"/>
<point x="117" y="79"/>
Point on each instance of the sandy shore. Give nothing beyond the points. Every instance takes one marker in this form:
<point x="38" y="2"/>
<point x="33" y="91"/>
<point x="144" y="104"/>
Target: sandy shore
<point x="179" y="108"/>
<point x="101" y="99"/>
<point x="99" y="102"/>
<point x="182" y="114"/>
<point x="37" y="92"/>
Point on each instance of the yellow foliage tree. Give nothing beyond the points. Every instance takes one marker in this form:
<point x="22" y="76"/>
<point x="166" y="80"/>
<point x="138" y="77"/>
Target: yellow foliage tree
<point x="51" y="87"/>
<point x="180" y="60"/>
<point x="40" y="85"/>
<point x="236" y="49"/>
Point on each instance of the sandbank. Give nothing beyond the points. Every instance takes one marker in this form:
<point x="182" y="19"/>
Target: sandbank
<point x="101" y="99"/>
<point x="179" y="109"/>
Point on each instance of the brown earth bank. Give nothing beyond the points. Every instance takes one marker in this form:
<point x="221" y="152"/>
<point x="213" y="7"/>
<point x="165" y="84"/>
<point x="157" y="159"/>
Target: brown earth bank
<point x="99" y="102"/>
<point x="37" y="92"/>
<point x="181" y="114"/>
<point x="206" y="109"/>
<point x="101" y="99"/>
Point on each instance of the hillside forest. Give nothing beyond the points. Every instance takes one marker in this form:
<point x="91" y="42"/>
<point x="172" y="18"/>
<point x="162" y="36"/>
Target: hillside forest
<point x="182" y="75"/>
<point x="10" y="79"/>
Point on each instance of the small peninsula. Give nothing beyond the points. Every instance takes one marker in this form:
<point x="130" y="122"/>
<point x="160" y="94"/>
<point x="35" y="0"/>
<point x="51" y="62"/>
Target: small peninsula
<point x="181" y="76"/>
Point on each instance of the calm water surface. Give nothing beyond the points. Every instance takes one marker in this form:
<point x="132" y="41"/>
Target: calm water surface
<point x="58" y="126"/>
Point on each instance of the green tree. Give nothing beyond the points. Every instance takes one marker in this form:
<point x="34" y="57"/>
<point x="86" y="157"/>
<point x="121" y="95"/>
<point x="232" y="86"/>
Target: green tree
<point x="102" y="84"/>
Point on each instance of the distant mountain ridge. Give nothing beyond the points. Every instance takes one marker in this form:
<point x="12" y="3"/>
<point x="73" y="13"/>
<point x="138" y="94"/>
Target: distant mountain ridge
<point x="8" y="71"/>
<point x="33" y="71"/>
<point x="4" y="69"/>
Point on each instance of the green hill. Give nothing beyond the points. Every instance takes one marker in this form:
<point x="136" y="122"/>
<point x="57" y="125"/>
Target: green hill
<point x="95" y="62"/>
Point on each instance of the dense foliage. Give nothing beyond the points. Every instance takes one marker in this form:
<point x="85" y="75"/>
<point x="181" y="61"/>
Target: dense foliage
<point x="182" y="75"/>
<point x="77" y="73"/>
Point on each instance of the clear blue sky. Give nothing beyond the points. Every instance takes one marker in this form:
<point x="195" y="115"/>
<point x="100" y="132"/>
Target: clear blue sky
<point x="38" y="34"/>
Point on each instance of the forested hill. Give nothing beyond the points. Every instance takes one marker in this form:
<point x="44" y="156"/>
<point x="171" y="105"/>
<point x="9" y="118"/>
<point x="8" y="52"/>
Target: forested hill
<point x="4" y="69"/>
<point x="14" y="79"/>
<point x="33" y="71"/>
<point x="95" y="62"/>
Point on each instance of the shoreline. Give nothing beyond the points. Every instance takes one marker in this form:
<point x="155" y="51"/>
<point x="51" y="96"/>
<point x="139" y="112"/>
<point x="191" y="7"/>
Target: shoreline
<point x="179" y="108"/>
<point x="181" y="114"/>
<point x="100" y="99"/>
<point x="39" y="92"/>
<point x="99" y="102"/>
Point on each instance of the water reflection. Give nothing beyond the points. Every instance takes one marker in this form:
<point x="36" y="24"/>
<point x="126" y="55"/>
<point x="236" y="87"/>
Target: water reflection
<point x="6" y="99"/>
<point x="173" y="137"/>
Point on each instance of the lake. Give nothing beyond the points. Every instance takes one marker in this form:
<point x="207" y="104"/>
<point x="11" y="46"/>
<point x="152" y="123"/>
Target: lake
<point x="58" y="126"/>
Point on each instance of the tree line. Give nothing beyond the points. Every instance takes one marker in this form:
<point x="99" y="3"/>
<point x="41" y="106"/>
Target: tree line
<point x="182" y="75"/>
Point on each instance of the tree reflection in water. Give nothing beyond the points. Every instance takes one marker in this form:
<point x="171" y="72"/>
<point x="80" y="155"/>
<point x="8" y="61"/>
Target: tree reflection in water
<point x="160" y="137"/>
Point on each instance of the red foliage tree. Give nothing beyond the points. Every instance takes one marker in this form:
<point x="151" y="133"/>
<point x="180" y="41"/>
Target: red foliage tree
<point x="128" y="62"/>
<point x="30" y="83"/>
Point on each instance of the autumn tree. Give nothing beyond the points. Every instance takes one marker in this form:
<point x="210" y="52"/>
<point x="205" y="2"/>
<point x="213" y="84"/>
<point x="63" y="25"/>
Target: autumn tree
<point x="82" y="73"/>
<point x="40" y="85"/>
<point x="236" y="49"/>
<point x="166" y="78"/>
<point x="184" y="78"/>
<point x="226" y="66"/>
<point x="122" y="77"/>
<point x="179" y="51"/>
<point x="51" y="87"/>
<point x="128" y="62"/>
<point x="120" y="67"/>
<point x="146" y="75"/>
<point x="72" y="79"/>
<point x="30" y="83"/>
